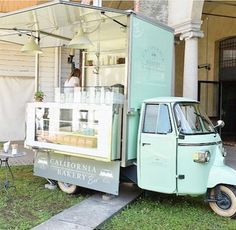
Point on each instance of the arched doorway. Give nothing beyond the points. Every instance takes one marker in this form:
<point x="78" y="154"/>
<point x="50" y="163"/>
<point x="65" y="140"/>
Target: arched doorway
<point x="227" y="77"/>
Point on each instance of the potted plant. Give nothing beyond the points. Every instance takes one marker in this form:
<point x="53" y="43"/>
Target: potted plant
<point x="39" y="95"/>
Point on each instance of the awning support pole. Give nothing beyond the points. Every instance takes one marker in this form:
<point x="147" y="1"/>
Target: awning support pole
<point x="36" y="72"/>
<point x="37" y="34"/>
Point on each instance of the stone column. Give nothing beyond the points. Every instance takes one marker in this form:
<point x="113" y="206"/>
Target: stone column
<point x="190" y="78"/>
<point x="157" y="9"/>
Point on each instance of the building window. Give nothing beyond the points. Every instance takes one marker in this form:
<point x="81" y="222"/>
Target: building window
<point x="228" y="53"/>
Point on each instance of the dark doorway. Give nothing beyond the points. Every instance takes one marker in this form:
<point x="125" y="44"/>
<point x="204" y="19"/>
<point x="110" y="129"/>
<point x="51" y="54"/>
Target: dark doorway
<point x="228" y="111"/>
<point x="227" y="76"/>
<point x="209" y="96"/>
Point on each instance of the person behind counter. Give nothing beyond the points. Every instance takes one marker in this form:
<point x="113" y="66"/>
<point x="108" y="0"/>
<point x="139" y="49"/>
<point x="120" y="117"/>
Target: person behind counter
<point x="73" y="80"/>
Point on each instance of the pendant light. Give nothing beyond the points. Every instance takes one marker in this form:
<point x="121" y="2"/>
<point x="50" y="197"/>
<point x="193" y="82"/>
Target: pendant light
<point x="81" y="41"/>
<point x="31" y="47"/>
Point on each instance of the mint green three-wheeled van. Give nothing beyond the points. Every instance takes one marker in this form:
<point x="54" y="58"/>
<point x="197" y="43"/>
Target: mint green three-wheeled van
<point x="88" y="136"/>
<point x="180" y="152"/>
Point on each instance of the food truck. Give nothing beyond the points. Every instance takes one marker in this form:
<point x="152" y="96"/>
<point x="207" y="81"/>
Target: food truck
<point x="123" y="122"/>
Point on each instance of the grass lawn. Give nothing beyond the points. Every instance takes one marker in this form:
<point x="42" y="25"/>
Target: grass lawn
<point x="31" y="204"/>
<point x="158" y="211"/>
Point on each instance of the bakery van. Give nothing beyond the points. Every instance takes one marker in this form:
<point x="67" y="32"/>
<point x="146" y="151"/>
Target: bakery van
<point x="123" y="120"/>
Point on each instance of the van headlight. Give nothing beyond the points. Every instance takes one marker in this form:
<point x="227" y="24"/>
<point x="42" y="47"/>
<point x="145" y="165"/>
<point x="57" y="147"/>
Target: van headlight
<point x="201" y="157"/>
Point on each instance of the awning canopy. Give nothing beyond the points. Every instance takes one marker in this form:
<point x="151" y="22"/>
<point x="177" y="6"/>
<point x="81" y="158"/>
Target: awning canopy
<point x="56" y="23"/>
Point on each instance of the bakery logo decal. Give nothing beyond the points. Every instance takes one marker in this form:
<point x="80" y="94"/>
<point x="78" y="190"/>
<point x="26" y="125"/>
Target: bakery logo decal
<point x="153" y="61"/>
<point x="42" y="163"/>
<point x="80" y="171"/>
<point x="106" y="175"/>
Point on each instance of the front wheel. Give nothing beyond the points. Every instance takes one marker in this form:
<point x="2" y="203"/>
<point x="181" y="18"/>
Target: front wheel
<point x="225" y="200"/>
<point x="67" y="188"/>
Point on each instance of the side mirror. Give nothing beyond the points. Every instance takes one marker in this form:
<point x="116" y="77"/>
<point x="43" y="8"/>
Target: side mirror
<point x="219" y="124"/>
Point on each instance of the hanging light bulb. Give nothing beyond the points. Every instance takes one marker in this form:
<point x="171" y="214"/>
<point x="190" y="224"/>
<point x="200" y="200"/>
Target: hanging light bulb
<point x="31" y="47"/>
<point x="81" y="41"/>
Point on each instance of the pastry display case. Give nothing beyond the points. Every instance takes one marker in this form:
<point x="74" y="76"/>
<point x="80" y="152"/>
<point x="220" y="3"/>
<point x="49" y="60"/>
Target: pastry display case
<point x="78" y="129"/>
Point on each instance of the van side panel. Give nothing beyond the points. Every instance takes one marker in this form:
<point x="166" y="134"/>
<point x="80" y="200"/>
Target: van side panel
<point x="151" y="57"/>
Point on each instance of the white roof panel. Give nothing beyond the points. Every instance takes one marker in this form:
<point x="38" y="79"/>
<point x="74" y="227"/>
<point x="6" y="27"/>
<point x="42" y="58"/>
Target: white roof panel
<point x="58" y="21"/>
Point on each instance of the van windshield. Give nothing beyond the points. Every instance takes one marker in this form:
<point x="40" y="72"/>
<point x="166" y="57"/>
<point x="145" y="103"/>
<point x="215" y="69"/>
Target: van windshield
<point x="191" y="119"/>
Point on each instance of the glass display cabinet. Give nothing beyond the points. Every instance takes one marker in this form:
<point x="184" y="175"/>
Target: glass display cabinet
<point x="78" y="129"/>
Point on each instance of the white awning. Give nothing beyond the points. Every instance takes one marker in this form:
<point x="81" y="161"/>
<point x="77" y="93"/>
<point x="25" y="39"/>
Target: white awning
<point x="55" y="23"/>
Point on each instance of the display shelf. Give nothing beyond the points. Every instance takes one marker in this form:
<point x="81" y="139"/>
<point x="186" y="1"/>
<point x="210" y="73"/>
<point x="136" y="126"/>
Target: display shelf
<point x="103" y="68"/>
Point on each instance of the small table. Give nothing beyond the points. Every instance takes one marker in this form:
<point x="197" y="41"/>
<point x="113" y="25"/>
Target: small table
<point x="4" y="157"/>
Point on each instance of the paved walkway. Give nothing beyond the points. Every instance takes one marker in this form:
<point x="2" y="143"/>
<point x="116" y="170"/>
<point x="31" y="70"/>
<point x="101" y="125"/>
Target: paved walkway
<point x="92" y="212"/>
<point x="230" y="158"/>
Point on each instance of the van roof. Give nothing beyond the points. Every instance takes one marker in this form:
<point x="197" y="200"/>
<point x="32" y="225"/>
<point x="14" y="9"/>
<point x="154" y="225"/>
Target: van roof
<point x="169" y="99"/>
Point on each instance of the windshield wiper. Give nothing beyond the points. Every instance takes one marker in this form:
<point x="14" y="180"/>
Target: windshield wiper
<point x="204" y="119"/>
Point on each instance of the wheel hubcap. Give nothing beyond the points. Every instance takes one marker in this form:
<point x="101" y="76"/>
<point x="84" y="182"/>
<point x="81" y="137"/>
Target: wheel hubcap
<point x="224" y="202"/>
<point x="67" y="185"/>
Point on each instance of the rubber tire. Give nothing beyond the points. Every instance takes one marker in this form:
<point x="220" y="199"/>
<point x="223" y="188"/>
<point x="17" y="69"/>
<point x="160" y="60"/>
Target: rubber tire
<point x="67" y="188"/>
<point x="230" y="191"/>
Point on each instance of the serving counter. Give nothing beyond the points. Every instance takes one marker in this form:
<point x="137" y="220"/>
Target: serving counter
<point x="87" y="130"/>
